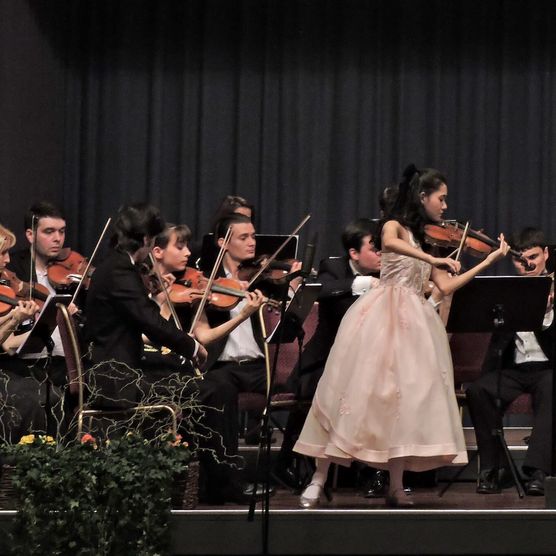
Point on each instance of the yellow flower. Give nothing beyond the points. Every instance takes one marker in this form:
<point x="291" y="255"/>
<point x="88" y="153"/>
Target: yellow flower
<point x="27" y="439"/>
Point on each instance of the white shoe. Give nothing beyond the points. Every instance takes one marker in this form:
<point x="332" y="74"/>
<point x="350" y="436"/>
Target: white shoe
<point x="308" y="500"/>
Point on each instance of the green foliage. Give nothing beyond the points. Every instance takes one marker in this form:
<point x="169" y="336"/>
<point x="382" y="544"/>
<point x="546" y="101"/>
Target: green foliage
<point x="88" y="499"/>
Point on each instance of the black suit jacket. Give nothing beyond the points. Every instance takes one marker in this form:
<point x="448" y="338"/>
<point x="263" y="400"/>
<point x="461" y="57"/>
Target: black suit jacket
<point x="335" y="299"/>
<point x="118" y="312"/>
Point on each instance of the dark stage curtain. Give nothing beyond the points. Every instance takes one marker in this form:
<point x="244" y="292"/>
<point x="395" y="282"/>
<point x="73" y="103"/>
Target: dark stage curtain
<point x="304" y="106"/>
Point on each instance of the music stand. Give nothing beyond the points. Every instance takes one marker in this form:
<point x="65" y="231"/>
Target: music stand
<point x="499" y="304"/>
<point x="291" y="322"/>
<point x="40" y="337"/>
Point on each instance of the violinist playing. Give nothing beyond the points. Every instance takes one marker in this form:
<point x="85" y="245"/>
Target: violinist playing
<point x="221" y="482"/>
<point x="527" y="366"/>
<point x="238" y="357"/>
<point x="386" y="396"/>
<point x="45" y="230"/>
<point x="20" y="394"/>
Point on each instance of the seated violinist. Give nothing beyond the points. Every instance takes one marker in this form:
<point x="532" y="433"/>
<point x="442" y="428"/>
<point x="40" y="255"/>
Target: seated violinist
<point x="221" y="482"/>
<point x="526" y="366"/>
<point x="45" y="230"/>
<point x="238" y="357"/>
<point x="20" y="394"/>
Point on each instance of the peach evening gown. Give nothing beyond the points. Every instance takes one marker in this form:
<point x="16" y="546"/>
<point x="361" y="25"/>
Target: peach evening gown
<point x="388" y="390"/>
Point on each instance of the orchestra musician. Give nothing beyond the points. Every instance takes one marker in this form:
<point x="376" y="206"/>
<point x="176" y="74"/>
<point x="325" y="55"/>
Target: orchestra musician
<point x="238" y="357"/>
<point x="526" y="366"/>
<point x="386" y="396"/>
<point x="45" y="230"/>
<point x="21" y="395"/>
<point x="222" y="483"/>
<point x="343" y="280"/>
<point x="119" y="310"/>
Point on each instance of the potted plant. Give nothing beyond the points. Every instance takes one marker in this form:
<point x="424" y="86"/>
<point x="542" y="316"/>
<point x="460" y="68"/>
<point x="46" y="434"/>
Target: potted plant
<point x="92" y="497"/>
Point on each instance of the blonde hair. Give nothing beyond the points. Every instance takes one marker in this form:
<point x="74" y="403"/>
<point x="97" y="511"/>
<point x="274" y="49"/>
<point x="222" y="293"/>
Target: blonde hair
<point x="7" y="238"/>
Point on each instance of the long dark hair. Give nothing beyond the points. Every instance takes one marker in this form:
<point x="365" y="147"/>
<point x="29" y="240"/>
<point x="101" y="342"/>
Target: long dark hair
<point x="406" y="208"/>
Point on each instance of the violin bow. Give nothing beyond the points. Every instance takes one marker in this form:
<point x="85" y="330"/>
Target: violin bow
<point x="208" y="287"/>
<point x="166" y="294"/>
<point x="90" y="262"/>
<point x="277" y="252"/>
<point x="33" y="263"/>
<point x="462" y="241"/>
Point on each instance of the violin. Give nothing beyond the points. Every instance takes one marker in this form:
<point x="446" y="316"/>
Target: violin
<point x="8" y="299"/>
<point x="68" y="269"/>
<point x="225" y="293"/>
<point x="274" y="272"/>
<point x="22" y="289"/>
<point x="477" y="244"/>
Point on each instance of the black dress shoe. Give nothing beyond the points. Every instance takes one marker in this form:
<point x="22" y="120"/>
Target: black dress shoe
<point x="487" y="482"/>
<point x="260" y="492"/>
<point x="535" y="487"/>
<point x="377" y="487"/>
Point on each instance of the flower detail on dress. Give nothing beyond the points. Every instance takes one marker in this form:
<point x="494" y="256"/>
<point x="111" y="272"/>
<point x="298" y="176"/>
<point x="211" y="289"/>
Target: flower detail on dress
<point x="344" y="407"/>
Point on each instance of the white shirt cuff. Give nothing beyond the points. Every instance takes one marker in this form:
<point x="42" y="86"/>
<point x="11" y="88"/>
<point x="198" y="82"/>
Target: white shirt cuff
<point x="362" y="284"/>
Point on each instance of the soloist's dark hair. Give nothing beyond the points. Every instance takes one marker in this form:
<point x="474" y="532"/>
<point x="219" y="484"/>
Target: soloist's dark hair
<point x="223" y="224"/>
<point x="528" y="238"/>
<point x="182" y="231"/>
<point x="42" y="209"/>
<point x="355" y="231"/>
<point x="134" y="223"/>
<point x="406" y="207"/>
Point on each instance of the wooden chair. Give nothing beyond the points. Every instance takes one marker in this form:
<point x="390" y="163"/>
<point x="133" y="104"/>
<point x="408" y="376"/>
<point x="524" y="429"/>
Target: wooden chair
<point x="77" y="384"/>
<point x="287" y="359"/>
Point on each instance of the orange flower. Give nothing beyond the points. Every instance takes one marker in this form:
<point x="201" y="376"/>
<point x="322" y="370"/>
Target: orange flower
<point x="88" y="439"/>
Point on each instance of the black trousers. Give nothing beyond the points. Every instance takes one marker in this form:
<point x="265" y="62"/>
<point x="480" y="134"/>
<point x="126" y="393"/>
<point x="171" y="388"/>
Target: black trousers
<point x="532" y="378"/>
<point x="248" y="376"/>
<point x="213" y="426"/>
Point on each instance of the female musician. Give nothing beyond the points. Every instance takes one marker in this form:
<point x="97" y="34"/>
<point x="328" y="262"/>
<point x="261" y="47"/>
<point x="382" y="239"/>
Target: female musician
<point x="171" y="253"/>
<point x="218" y="396"/>
<point x="24" y="310"/>
<point x="20" y="408"/>
<point x="387" y="395"/>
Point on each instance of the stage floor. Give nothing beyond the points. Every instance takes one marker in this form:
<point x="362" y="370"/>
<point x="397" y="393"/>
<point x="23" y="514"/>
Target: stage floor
<point x="461" y="522"/>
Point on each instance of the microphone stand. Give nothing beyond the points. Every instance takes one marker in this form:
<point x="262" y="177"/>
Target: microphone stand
<point x="265" y="438"/>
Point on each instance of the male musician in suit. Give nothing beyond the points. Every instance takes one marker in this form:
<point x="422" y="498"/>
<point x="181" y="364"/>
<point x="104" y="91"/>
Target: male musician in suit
<point x="343" y="280"/>
<point x="45" y="230"/>
<point x="525" y="365"/>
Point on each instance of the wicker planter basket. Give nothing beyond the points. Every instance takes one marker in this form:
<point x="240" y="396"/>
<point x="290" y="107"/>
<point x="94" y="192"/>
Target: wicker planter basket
<point x="8" y="499"/>
<point x="185" y="493"/>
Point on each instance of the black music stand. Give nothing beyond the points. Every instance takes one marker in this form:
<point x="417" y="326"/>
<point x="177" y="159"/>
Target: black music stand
<point x="288" y="329"/>
<point x="499" y="304"/>
<point x="39" y="338"/>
